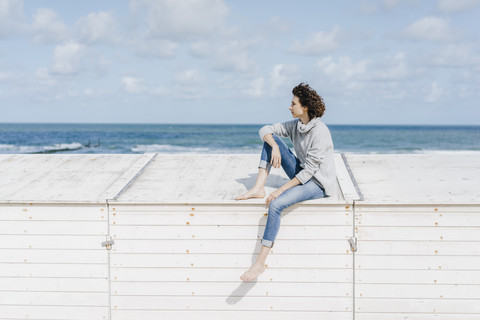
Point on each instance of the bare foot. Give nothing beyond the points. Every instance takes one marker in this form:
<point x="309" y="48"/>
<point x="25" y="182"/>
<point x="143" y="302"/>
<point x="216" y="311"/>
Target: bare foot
<point x="252" y="273"/>
<point x="252" y="193"/>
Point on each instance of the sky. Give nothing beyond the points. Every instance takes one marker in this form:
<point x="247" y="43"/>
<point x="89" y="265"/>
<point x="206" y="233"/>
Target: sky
<point x="236" y="62"/>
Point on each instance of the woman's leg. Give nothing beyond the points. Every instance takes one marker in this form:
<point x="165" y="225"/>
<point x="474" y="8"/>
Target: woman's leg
<point x="307" y="191"/>
<point x="290" y="165"/>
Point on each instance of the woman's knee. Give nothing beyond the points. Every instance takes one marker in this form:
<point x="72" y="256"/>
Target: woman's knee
<point x="276" y="206"/>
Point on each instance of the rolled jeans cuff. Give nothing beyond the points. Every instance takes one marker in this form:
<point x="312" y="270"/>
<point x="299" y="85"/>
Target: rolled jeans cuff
<point x="265" y="165"/>
<point x="267" y="243"/>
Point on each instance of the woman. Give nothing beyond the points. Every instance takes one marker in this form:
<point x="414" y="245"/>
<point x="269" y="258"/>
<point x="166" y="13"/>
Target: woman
<point x="312" y="170"/>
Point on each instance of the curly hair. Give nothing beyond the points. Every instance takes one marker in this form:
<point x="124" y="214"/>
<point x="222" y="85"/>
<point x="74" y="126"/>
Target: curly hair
<point x="309" y="98"/>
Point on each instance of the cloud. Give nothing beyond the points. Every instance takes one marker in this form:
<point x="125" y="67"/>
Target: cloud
<point x="133" y="85"/>
<point x="182" y="20"/>
<point x="189" y="77"/>
<point x="391" y="3"/>
<point x="455" y="6"/>
<point x="458" y="55"/>
<point x="4" y="76"/>
<point x="68" y="57"/>
<point x="96" y="27"/>
<point x="391" y="68"/>
<point x="48" y="28"/>
<point x="43" y="77"/>
<point x="160" y="91"/>
<point x="233" y="56"/>
<point x="434" y="93"/>
<point x="342" y="70"/>
<point x="255" y="89"/>
<point x="200" y="49"/>
<point x="320" y="43"/>
<point x="282" y="77"/>
<point x="11" y="17"/>
<point x="431" y="29"/>
<point x="156" y="48"/>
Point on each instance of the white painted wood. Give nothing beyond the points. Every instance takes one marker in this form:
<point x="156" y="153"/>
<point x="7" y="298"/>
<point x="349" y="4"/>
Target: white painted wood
<point x="414" y="316"/>
<point x="321" y="304"/>
<point x="208" y="178"/>
<point x="210" y="260"/>
<point x="178" y="245"/>
<point x="230" y="315"/>
<point x="450" y="177"/>
<point x="171" y="251"/>
<point x="417" y="259"/>
<point x="224" y="246"/>
<point x="258" y="289"/>
<point x="65" y="177"/>
<point x="347" y="187"/>
<point x="54" y="312"/>
<point x="298" y="215"/>
<point x="52" y="263"/>
<point x="425" y="291"/>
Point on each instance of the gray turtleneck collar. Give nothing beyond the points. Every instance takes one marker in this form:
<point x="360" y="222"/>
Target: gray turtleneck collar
<point x="304" y="128"/>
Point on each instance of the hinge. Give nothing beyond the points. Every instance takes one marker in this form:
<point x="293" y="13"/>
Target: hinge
<point x="353" y="243"/>
<point x="108" y="243"/>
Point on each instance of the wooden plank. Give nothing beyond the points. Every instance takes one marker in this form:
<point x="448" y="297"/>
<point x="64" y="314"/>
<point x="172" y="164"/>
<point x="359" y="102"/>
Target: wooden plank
<point x="222" y="177"/>
<point x="232" y="289"/>
<point x="413" y="290"/>
<point x="53" y="284"/>
<point x="230" y="274"/>
<point x="53" y="256"/>
<point x="228" y="232"/>
<point x="220" y="246"/>
<point x="323" y="304"/>
<point x="72" y="299"/>
<point x="416" y="262"/>
<point x="54" y="270"/>
<point x="466" y="233"/>
<point x="48" y="228"/>
<point x="64" y="242"/>
<point x="423" y="248"/>
<point x="54" y="312"/>
<point x="228" y="260"/>
<point x="230" y="315"/>
<point x="418" y="219"/>
<point x="423" y="178"/>
<point x="432" y="306"/>
<point x="223" y="207"/>
<point x="347" y="187"/>
<point x="459" y="277"/>
<point x="297" y="217"/>
<point x="49" y="212"/>
<point x="414" y="316"/>
<point x="62" y="177"/>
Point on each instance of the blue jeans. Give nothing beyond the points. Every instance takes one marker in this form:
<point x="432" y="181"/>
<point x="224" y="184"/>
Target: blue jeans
<point x="301" y="192"/>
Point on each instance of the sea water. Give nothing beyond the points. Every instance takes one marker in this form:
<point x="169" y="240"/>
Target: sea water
<point x="223" y="138"/>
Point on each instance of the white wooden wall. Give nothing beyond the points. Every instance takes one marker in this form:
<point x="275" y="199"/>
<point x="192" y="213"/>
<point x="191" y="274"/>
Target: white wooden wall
<point x="52" y="264"/>
<point x="184" y="262"/>
<point x="417" y="262"/>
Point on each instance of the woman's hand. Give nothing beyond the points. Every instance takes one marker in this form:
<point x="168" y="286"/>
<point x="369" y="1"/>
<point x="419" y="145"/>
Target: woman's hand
<point x="276" y="157"/>
<point x="272" y="196"/>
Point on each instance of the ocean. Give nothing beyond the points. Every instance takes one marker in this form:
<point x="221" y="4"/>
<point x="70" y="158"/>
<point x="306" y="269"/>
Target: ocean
<point x="219" y="138"/>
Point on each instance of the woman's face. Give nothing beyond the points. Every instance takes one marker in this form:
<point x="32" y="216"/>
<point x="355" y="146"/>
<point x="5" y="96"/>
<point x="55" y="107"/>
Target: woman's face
<point x="297" y="109"/>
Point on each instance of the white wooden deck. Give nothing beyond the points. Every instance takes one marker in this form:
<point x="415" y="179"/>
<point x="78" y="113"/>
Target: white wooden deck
<point x="444" y="178"/>
<point x="182" y="241"/>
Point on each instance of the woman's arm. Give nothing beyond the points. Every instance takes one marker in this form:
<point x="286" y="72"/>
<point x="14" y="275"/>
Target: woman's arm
<point x="272" y="196"/>
<point x="276" y="160"/>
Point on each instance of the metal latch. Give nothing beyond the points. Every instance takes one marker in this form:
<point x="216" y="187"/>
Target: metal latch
<point x="353" y="243"/>
<point x="108" y="243"/>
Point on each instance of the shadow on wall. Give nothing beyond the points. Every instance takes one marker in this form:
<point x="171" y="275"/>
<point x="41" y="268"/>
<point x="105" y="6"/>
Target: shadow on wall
<point x="242" y="290"/>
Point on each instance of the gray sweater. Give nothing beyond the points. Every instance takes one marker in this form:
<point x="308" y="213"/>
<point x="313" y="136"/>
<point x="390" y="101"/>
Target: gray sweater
<point x="313" y="147"/>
